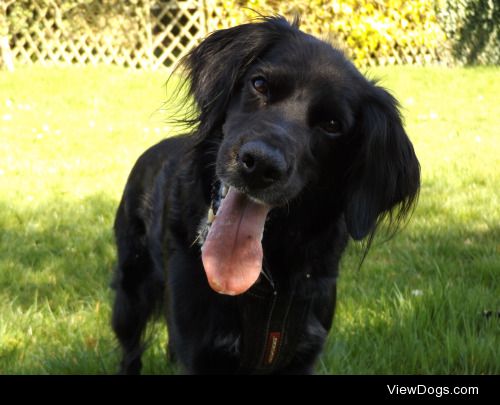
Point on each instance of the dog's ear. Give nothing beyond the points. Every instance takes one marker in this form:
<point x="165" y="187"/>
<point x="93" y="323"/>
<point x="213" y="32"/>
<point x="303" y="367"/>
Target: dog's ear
<point x="384" y="177"/>
<point x="217" y="65"/>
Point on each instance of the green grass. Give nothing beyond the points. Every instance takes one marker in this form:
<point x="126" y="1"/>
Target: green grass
<point x="68" y="139"/>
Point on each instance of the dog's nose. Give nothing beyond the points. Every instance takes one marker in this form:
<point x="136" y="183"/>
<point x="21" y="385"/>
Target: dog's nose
<point x="260" y="164"/>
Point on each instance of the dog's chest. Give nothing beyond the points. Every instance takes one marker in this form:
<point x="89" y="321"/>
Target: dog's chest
<point x="274" y="320"/>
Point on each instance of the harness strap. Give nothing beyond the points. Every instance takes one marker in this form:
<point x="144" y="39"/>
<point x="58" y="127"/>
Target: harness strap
<point x="282" y="315"/>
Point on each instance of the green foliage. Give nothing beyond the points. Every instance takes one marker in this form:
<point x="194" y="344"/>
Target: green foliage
<point x="473" y="29"/>
<point x="68" y="139"/>
<point x="106" y="20"/>
<point x="382" y="32"/>
<point x="371" y="32"/>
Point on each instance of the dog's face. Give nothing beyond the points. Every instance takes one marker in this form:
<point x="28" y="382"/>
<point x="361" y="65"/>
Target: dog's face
<point x="285" y="117"/>
<point x="290" y="113"/>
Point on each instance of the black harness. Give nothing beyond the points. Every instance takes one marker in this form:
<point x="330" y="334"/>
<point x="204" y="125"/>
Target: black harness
<point x="272" y="315"/>
<point x="273" y="319"/>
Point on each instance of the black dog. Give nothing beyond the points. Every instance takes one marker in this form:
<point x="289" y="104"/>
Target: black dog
<point x="238" y="228"/>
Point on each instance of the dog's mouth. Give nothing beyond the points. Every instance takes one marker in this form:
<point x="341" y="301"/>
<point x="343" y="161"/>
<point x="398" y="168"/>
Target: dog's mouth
<point x="232" y="249"/>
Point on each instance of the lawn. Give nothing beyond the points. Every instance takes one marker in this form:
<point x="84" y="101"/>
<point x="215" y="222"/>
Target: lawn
<point x="68" y="139"/>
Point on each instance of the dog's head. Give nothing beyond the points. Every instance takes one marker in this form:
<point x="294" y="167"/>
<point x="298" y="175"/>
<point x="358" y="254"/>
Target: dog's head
<point x="292" y="113"/>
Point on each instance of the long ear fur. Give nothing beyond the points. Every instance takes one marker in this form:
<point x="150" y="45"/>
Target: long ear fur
<point x="385" y="177"/>
<point x="217" y="65"/>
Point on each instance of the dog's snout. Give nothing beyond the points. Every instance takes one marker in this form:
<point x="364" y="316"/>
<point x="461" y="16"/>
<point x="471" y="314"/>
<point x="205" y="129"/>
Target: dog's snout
<point x="260" y="164"/>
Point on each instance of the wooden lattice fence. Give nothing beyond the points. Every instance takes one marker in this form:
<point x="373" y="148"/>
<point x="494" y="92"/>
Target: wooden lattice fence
<point x="134" y="33"/>
<point x="138" y="34"/>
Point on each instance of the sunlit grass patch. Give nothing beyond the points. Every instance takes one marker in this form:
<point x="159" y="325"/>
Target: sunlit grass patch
<point x="68" y="139"/>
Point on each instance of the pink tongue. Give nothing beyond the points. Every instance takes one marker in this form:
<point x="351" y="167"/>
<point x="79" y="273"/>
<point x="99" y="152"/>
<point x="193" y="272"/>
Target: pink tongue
<point x="232" y="252"/>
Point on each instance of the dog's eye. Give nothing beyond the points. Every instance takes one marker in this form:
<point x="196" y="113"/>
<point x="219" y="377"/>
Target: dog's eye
<point x="260" y="84"/>
<point x="331" y="127"/>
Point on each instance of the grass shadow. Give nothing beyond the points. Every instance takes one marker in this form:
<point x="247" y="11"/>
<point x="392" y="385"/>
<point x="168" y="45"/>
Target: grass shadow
<point x="55" y="270"/>
<point x="416" y="306"/>
<point x="68" y="245"/>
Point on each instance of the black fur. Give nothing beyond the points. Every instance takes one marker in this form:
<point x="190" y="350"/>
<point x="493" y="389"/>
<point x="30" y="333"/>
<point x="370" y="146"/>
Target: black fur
<point x="331" y="156"/>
